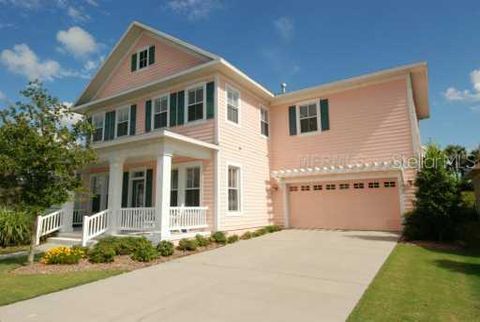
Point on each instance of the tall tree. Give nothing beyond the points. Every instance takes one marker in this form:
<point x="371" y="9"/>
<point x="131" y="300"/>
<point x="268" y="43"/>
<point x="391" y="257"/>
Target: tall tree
<point x="437" y="197"/>
<point x="456" y="159"/>
<point x="40" y="152"/>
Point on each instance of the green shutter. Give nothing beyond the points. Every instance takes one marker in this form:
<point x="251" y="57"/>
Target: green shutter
<point x="324" y="117"/>
<point x="133" y="119"/>
<point x="148" y="116"/>
<point x="180" y="107"/>
<point x="148" y="188"/>
<point x="109" y="126"/>
<point x="151" y="55"/>
<point x="292" y="120"/>
<point x="134" y="63"/>
<point x="125" y="190"/>
<point x="210" y="100"/>
<point x="173" y="109"/>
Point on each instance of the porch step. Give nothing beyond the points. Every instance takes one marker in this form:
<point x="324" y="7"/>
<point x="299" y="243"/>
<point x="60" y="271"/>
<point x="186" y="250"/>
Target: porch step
<point x="68" y="241"/>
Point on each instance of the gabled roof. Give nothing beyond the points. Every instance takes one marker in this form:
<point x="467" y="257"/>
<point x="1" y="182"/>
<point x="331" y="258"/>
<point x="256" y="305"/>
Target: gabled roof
<point x="122" y="47"/>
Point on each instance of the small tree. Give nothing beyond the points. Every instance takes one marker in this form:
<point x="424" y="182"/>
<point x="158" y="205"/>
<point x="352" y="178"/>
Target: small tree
<point x="437" y="199"/>
<point x="40" y="152"/>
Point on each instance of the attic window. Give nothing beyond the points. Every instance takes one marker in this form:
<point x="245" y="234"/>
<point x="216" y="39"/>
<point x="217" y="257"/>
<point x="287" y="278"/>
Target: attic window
<point x="143" y="58"/>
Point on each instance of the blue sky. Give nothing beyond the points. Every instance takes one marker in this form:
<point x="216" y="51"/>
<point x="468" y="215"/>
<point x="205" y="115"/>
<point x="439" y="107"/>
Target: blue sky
<point x="303" y="43"/>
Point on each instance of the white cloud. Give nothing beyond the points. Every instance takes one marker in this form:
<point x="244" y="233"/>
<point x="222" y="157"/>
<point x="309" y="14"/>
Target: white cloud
<point x="3" y="97"/>
<point x="22" y="60"/>
<point x="6" y="25"/>
<point x="26" y="4"/>
<point x="92" y="3"/>
<point x="284" y="27"/>
<point x="70" y="118"/>
<point x="77" y="41"/>
<point x="77" y="14"/>
<point x="454" y="94"/>
<point x="194" y="9"/>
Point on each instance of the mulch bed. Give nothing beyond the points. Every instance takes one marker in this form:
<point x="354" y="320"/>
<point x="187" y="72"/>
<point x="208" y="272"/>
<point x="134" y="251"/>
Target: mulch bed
<point x="122" y="263"/>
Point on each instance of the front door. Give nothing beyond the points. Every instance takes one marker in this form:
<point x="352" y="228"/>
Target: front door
<point x="138" y="193"/>
<point x="99" y="188"/>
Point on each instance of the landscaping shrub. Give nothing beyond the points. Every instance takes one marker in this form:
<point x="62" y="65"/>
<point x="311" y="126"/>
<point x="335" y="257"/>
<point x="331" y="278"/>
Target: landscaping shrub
<point x="14" y="228"/>
<point x="187" y="244"/>
<point x="145" y="252"/>
<point x="259" y="232"/>
<point x="232" y="239"/>
<point x="165" y="248"/>
<point x="219" y="237"/>
<point x="101" y="253"/>
<point x="247" y="235"/>
<point x="124" y="245"/>
<point x="272" y="228"/>
<point x="62" y="255"/>
<point x="202" y="241"/>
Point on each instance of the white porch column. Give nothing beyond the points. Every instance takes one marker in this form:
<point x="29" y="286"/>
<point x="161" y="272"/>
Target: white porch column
<point x="67" y="220"/>
<point x="114" y="193"/>
<point x="162" y="194"/>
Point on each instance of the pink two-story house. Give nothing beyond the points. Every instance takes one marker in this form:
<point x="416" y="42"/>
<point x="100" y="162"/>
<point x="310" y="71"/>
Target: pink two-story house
<point x="187" y="144"/>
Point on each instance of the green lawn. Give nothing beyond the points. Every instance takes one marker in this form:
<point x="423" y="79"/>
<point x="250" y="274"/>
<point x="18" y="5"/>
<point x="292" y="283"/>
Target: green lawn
<point x="12" y="249"/>
<point x="420" y="284"/>
<point x="15" y="288"/>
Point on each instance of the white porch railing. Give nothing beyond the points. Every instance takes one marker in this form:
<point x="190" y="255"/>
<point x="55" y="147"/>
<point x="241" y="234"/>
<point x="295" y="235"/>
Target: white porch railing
<point x="78" y="215"/>
<point x="188" y="218"/>
<point x="48" y="224"/>
<point x="136" y="219"/>
<point x="94" y="225"/>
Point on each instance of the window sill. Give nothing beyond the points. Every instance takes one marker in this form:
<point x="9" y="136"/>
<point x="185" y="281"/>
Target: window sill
<point x="234" y="213"/>
<point x="233" y="123"/>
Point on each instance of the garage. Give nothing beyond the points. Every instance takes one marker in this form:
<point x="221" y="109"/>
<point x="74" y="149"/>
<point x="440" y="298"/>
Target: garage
<point x="370" y="204"/>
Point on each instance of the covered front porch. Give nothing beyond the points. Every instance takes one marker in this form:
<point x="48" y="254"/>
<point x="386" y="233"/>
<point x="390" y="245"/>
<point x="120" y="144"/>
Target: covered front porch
<point x="161" y="187"/>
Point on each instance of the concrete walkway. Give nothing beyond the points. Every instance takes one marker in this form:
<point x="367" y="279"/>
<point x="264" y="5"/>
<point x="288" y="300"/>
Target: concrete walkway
<point x="289" y="276"/>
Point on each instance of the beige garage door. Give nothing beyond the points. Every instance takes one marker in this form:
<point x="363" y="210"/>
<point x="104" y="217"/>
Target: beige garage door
<point x="358" y="204"/>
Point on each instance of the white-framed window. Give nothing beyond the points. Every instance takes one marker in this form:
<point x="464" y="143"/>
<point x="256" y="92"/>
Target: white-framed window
<point x="192" y="187"/>
<point x="264" y="122"/>
<point x="308" y="117"/>
<point x="142" y="57"/>
<point x="122" y="116"/>
<point x="160" y="111"/>
<point x="233" y="104"/>
<point x="98" y="121"/>
<point x="234" y="188"/>
<point x="195" y="107"/>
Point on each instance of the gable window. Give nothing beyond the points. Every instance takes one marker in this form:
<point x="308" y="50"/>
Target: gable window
<point x="192" y="187"/>
<point x="389" y="184"/>
<point x="374" y="185"/>
<point x="195" y="103"/>
<point x="233" y="188"/>
<point x="233" y="104"/>
<point x="98" y="124"/>
<point x="264" y="121"/>
<point x="143" y="58"/>
<point x="358" y="185"/>
<point x="317" y="187"/>
<point x="330" y="187"/>
<point x="123" y="117"/>
<point x="308" y="117"/>
<point x="160" y="112"/>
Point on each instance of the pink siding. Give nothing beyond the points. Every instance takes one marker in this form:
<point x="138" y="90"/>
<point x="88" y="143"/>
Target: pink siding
<point x="169" y="59"/>
<point x="366" y="124"/>
<point x="243" y="145"/>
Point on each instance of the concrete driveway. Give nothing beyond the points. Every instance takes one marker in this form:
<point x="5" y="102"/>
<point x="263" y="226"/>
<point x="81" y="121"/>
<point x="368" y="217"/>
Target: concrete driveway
<point x="293" y="275"/>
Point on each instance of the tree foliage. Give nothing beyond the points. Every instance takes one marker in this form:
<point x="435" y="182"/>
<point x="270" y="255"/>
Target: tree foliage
<point x="41" y="148"/>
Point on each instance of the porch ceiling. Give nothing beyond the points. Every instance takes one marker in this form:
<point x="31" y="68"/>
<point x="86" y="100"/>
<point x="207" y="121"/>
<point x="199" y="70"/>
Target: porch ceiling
<point x="150" y="145"/>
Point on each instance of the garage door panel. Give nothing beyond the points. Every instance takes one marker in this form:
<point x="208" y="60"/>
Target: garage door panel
<point x="365" y="209"/>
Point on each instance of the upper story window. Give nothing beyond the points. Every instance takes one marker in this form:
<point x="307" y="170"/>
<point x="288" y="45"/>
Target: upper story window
<point x="195" y="103"/>
<point x="233" y="188"/>
<point x="123" y="117"/>
<point x="264" y="123"/>
<point x="98" y="124"/>
<point x="143" y="58"/>
<point x="233" y="104"/>
<point x="160" y="112"/>
<point x="308" y="117"/>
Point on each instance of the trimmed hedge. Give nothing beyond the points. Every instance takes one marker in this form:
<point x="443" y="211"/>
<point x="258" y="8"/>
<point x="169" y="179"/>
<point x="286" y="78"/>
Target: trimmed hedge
<point x="219" y="237"/>
<point x="187" y="244"/>
<point x="232" y="239"/>
<point x="165" y="248"/>
<point x="101" y="253"/>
